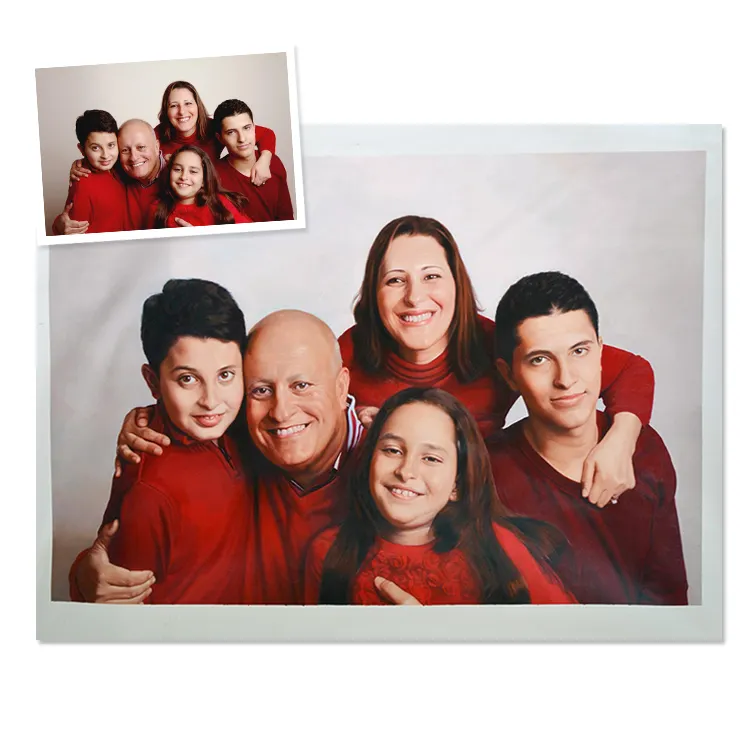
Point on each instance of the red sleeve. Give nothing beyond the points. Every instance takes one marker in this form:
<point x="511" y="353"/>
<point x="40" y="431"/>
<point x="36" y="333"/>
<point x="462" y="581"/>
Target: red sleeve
<point x="265" y="139"/>
<point x="239" y="217"/>
<point x="81" y="199"/>
<point x="316" y="554"/>
<point x="142" y="541"/>
<point x="75" y="593"/>
<point x="627" y="383"/>
<point x="284" y="210"/>
<point x="544" y="586"/>
<point x="664" y="579"/>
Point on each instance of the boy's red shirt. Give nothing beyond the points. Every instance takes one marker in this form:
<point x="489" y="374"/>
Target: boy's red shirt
<point x="627" y="382"/>
<point x="100" y="200"/>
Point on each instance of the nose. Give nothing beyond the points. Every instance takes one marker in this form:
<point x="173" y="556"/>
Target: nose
<point x="208" y="399"/>
<point x="405" y="469"/>
<point x="282" y="406"/>
<point x="413" y="293"/>
<point x="565" y="377"/>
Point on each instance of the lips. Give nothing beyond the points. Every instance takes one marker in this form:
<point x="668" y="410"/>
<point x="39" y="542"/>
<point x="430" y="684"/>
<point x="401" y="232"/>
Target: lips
<point x="208" y="420"/>
<point x="566" y="401"/>
<point x="417" y="317"/>
<point x="403" y="493"/>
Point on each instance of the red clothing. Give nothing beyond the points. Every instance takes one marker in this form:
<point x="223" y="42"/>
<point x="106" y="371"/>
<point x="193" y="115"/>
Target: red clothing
<point x="431" y="577"/>
<point x="265" y="140"/>
<point x="268" y="202"/>
<point x="197" y="216"/>
<point x="100" y="200"/>
<point x="628" y="553"/>
<point x="627" y="382"/>
<point x="138" y="200"/>
<point x="184" y="516"/>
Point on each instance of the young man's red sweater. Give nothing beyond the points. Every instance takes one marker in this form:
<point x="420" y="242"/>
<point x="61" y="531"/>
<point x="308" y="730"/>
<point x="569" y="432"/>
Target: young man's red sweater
<point x="184" y="515"/>
<point x="624" y="553"/>
<point x="284" y="518"/>
<point x="100" y="200"/>
<point x="627" y="382"/>
<point x="265" y="140"/>
<point x="195" y="215"/>
<point x="268" y="202"/>
<point x="431" y="577"/>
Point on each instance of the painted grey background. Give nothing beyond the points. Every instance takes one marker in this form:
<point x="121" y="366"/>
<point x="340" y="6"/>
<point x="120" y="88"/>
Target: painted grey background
<point x="128" y="90"/>
<point x="629" y="226"/>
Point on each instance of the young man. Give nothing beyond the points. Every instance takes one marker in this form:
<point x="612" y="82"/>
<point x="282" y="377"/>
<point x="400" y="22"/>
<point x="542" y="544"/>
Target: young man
<point x="235" y="129"/>
<point x="100" y="199"/>
<point x="184" y="515"/>
<point x="548" y="349"/>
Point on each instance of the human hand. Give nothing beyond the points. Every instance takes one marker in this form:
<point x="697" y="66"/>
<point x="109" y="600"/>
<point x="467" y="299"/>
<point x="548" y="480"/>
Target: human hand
<point x="366" y="414"/>
<point x="78" y="171"/>
<point x="63" y="224"/>
<point x="181" y="222"/>
<point x="393" y="594"/>
<point x="100" y="581"/>
<point x="261" y="172"/>
<point x="136" y="435"/>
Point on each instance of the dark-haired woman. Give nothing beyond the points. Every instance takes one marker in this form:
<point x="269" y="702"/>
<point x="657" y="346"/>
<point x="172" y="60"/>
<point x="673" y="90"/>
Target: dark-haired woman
<point x="189" y="190"/>
<point x="424" y="515"/>
<point x="418" y="325"/>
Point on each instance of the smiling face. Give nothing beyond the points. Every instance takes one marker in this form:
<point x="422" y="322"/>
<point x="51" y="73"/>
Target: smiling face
<point x="296" y="395"/>
<point x="238" y="135"/>
<point x="100" y="151"/>
<point x="139" y="151"/>
<point x="417" y="297"/>
<point x="186" y="176"/>
<point x="200" y="384"/>
<point x="413" y="470"/>
<point x="182" y="111"/>
<point x="557" y="369"/>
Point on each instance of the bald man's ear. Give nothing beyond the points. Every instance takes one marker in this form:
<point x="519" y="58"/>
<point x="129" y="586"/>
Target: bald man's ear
<point x="152" y="381"/>
<point x="342" y="386"/>
<point x="506" y="373"/>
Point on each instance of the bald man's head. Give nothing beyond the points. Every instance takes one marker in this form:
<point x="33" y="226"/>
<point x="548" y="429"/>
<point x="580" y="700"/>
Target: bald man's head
<point x="296" y="393"/>
<point x="139" y="150"/>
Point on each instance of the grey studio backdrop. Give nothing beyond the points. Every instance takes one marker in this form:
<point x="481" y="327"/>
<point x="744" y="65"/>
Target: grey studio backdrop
<point x="629" y="225"/>
<point x="129" y="90"/>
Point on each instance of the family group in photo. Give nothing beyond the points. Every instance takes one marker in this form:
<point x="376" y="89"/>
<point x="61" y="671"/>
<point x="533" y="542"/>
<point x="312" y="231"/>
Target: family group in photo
<point x="286" y="464"/>
<point x="136" y="176"/>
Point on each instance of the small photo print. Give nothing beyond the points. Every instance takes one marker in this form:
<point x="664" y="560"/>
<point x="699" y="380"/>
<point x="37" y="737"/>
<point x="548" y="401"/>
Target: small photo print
<point x="170" y="147"/>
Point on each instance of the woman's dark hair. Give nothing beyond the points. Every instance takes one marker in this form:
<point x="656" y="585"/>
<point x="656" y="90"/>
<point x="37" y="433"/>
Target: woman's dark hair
<point x="208" y="195"/>
<point x="467" y="349"/>
<point x="167" y="131"/>
<point x="465" y="524"/>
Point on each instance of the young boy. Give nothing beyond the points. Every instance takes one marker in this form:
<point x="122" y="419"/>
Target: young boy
<point x="100" y="198"/>
<point x="547" y="347"/>
<point x="184" y="515"/>
<point x="235" y="129"/>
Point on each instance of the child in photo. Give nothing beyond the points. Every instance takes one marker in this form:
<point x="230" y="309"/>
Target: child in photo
<point x="190" y="191"/>
<point x="424" y="515"/>
<point x="99" y="200"/>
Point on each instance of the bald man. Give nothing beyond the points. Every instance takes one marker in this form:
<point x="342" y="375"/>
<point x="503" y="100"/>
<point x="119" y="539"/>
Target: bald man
<point x="141" y="163"/>
<point x="304" y="430"/>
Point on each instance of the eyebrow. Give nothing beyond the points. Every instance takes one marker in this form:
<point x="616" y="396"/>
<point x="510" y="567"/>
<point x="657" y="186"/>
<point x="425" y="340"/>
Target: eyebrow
<point x="422" y="268"/>
<point x="537" y="352"/>
<point x="188" y="368"/>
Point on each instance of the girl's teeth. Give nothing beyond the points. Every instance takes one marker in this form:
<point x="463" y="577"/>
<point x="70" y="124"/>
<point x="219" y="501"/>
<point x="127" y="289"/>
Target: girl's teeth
<point x="403" y="493"/>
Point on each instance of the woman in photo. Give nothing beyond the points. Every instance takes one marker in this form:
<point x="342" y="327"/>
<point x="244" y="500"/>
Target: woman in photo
<point x="424" y="515"/>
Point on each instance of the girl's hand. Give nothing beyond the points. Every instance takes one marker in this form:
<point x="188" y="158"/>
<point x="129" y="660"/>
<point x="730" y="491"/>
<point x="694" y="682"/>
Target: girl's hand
<point x="394" y="594"/>
<point x="136" y="435"/>
<point x="261" y="172"/>
<point x="78" y="171"/>
<point x="366" y="414"/>
<point x="608" y="469"/>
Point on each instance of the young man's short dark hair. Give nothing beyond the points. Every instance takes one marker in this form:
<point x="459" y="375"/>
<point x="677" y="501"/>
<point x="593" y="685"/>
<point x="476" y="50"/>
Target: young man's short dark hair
<point x="535" y="296"/>
<point x="94" y="121"/>
<point x="230" y="108"/>
<point x="189" y="307"/>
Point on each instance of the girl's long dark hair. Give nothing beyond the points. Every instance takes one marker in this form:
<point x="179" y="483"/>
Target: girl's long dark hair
<point x="167" y="131"/>
<point x="208" y="195"/>
<point x="465" y="524"/>
<point x="467" y="348"/>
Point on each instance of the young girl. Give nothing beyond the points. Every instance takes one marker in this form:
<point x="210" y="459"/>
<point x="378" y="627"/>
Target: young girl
<point x="424" y="514"/>
<point x="189" y="190"/>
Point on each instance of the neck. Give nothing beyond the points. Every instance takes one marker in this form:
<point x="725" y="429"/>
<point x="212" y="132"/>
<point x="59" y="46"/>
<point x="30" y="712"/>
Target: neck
<point x="187" y="201"/>
<point x="321" y="469"/>
<point x="243" y="164"/>
<point x="564" y="449"/>
<point x="422" y="356"/>
<point x="152" y="175"/>
<point x="189" y="133"/>
<point x="411" y="537"/>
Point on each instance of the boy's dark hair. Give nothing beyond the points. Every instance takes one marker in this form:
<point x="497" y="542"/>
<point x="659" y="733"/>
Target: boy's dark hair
<point x="535" y="296"/>
<point x="189" y="307"/>
<point x="94" y="121"/>
<point x="230" y="108"/>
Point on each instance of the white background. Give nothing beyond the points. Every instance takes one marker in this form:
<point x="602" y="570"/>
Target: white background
<point x="135" y="90"/>
<point x="393" y="62"/>
<point x="629" y="226"/>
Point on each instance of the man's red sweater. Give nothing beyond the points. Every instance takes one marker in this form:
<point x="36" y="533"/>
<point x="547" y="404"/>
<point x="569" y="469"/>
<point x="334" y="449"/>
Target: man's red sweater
<point x="268" y="202"/>
<point x="265" y="140"/>
<point x="431" y="577"/>
<point x="100" y="200"/>
<point x="195" y="215"/>
<point x="184" y="515"/>
<point x="626" y="553"/>
<point x="627" y="382"/>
